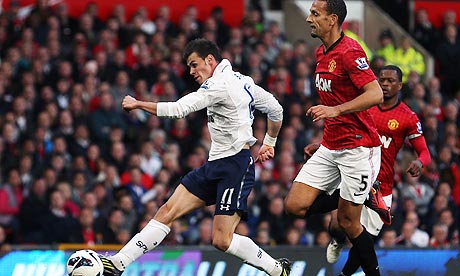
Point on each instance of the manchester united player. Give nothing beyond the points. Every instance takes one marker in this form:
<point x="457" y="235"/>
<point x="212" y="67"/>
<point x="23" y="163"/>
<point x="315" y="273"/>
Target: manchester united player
<point x="349" y="154"/>
<point x="395" y="122"/>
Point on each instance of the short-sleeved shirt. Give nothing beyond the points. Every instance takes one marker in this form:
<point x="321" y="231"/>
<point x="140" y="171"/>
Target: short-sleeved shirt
<point x="394" y="126"/>
<point x="340" y="75"/>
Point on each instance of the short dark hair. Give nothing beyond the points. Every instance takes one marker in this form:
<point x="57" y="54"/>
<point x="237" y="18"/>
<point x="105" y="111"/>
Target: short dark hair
<point x="202" y="48"/>
<point x="337" y="7"/>
<point x="394" y="68"/>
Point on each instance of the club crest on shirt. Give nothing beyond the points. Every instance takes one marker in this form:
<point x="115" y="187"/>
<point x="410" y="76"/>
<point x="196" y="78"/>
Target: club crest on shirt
<point x="332" y="65"/>
<point x="393" y="124"/>
<point x="207" y="84"/>
<point x="362" y="63"/>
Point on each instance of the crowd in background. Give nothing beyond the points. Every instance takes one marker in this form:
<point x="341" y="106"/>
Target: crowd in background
<point x="74" y="167"/>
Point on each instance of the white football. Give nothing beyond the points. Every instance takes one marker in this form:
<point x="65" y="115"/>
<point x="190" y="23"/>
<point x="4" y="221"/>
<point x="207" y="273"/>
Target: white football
<point x="84" y="263"/>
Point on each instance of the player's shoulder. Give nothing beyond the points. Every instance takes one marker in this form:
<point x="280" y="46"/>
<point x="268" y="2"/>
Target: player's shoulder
<point x="406" y="109"/>
<point x="350" y="45"/>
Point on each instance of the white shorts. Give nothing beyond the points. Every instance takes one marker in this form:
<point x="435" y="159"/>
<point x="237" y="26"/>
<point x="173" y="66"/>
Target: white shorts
<point x="353" y="169"/>
<point x="371" y="220"/>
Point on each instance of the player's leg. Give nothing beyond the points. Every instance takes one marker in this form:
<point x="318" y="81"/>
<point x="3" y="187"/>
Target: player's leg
<point x="359" y="168"/>
<point x="180" y="203"/>
<point x="338" y="239"/>
<point x="224" y="239"/>
<point x="318" y="175"/>
<point x="324" y="203"/>
<point x="372" y="224"/>
<point x="235" y="177"/>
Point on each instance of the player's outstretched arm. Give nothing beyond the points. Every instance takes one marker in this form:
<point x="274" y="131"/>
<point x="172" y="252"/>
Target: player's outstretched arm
<point x="129" y="103"/>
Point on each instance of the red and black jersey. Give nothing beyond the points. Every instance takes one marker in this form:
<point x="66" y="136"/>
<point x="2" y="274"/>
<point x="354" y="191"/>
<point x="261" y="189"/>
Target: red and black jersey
<point x="341" y="73"/>
<point x="394" y="126"/>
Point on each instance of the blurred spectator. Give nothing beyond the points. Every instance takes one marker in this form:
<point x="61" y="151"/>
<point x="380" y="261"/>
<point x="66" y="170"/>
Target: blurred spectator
<point x="10" y="202"/>
<point x="411" y="235"/>
<point x="424" y="31"/>
<point x="439" y="236"/>
<point x="420" y="192"/>
<point x="387" y="47"/>
<point x="448" y="56"/>
<point x="33" y="209"/>
<point x="447" y="218"/>
<point x="408" y="59"/>
<point x="85" y="232"/>
<point x="388" y="238"/>
<point x="126" y="205"/>
<point x="277" y="219"/>
<point x="322" y="238"/>
<point x="110" y="228"/>
<point x="58" y="224"/>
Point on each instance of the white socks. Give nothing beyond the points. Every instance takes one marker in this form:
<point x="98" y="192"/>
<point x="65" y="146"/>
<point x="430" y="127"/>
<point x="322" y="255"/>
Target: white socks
<point x="147" y="239"/>
<point x="154" y="233"/>
<point x="245" y="249"/>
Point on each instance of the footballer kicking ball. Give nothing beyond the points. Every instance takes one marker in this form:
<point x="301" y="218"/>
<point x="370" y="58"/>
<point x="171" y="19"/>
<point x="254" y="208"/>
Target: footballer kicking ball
<point x="84" y="263"/>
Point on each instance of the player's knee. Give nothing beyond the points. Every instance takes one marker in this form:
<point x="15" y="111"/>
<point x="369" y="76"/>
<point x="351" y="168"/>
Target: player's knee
<point x="221" y="242"/>
<point x="348" y="226"/>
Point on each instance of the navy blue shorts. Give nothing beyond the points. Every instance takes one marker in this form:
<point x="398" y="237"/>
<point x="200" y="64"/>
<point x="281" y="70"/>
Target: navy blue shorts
<point x="225" y="182"/>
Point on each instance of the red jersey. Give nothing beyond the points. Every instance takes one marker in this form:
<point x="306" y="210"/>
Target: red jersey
<point x="394" y="126"/>
<point x="341" y="73"/>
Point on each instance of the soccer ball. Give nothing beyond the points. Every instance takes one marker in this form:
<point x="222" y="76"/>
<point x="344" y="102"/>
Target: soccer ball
<point x="84" y="263"/>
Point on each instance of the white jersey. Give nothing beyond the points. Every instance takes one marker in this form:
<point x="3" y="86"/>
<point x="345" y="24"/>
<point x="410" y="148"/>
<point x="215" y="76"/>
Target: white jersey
<point x="230" y="99"/>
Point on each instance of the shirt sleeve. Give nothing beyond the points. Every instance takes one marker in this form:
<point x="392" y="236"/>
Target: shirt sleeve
<point x="358" y="68"/>
<point x="266" y="103"/>
<point x="208" y="94"/>
<point x="415" y="136"/>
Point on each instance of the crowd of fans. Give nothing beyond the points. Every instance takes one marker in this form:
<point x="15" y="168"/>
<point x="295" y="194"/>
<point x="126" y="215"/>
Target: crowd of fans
<point x="76" y="168"/>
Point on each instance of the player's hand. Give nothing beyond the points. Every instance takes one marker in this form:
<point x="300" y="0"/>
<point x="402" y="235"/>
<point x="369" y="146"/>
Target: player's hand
<point x="310" y="149"/>
<point x="265" y="153"/>
<point x="319" y="112"/>
<point x="129" y="103"/>
<point x="415" y="168"/>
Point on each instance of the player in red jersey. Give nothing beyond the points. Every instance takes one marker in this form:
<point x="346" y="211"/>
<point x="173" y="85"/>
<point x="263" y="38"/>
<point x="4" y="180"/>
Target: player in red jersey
<point x="349" y="154"/>
<point x="395" y="122"/>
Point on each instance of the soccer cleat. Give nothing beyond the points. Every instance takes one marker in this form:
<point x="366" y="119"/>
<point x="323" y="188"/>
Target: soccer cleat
<point x="376" y="203"/>
<point x="286" y="266"/>
<point x="109" y="267"/>
<point x="333" y="251"/>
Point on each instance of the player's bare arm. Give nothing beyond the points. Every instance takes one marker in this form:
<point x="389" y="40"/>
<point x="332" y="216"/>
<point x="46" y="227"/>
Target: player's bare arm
<point x="129" y="103"/>
<point x="371" y="96"/>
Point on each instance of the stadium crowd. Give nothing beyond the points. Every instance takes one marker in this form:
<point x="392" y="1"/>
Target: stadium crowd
<point x="76" y="168"/>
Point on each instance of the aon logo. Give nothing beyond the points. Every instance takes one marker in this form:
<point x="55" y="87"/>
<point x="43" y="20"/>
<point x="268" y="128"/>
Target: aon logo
<point x="323" y="84"/>
<point x="385" y="141"/>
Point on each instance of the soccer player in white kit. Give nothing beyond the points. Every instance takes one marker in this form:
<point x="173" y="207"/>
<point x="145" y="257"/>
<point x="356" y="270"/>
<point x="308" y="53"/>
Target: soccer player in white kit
<point x="226" y="179"/>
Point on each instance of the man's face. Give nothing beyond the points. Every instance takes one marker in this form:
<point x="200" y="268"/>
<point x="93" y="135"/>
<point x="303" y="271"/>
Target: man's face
<point x="200" y="68"/>
<point x="319" y="20"/>
<point x="388" y="80"/>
